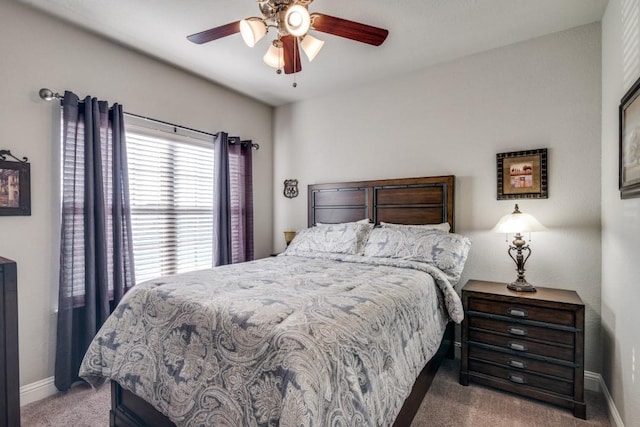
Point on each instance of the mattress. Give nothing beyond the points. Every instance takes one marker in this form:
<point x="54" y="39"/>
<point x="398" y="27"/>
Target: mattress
<point x="288" y="340"/>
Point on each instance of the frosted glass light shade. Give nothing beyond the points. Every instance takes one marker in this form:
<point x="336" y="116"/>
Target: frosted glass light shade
<point x="518" y="222"/>
<point x="297" y="20"/>
<point x="252" y="30"/>
<point x="274" y="57"/>
<point x="311" y="46"/>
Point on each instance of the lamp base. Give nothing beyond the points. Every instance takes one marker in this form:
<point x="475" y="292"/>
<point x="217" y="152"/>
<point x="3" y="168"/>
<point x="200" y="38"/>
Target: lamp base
<point x="521" y="285"/>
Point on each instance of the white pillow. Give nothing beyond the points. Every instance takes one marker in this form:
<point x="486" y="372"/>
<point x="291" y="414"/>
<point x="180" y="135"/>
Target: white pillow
<point x="445" y="251"/>
<point x="346" y="238"/>
<point x="442" y="226"/>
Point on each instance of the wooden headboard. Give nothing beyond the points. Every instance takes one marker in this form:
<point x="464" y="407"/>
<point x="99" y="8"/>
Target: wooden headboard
<point x="427" y="200"/>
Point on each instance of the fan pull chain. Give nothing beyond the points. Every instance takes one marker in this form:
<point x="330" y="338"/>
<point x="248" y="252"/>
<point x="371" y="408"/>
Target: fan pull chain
<point x="295" y="55"/>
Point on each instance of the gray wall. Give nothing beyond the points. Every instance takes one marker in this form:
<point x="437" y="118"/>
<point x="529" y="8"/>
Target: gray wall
<point x="38" y="51"/>
<point x="453" y="119"/>
<point x="620" y="218"/>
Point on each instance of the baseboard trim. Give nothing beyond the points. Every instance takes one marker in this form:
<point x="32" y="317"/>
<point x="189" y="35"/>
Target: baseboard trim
<point x="593" y="381"/>
<point x="37" y="391"/>
<point x="614" y="415"/>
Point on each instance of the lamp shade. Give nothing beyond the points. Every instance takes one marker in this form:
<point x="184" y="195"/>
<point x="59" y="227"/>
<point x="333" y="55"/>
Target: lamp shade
<point x="274" y="56"/>
<point x="518" y="222"/>
<point x="297" y="20"/>
<point x="311" y="46"/>
<point x="252" y="30"/>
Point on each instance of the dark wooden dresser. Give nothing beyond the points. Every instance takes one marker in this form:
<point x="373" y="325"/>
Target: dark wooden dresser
<point x="9" y="372"/>
<point x="529" y="343"/>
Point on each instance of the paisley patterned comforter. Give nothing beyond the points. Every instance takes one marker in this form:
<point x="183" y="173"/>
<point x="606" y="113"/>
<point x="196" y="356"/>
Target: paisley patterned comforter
<point x="333" y="340"/>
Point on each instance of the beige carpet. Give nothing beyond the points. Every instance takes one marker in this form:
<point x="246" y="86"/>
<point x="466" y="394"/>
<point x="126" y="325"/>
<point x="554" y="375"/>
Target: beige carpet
<point x="81" y="406"/>
<point x="447" y="404"/>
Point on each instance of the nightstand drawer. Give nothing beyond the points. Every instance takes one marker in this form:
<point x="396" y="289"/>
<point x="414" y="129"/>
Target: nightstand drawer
<point x="522" y="378"/>
<point x="519" y="362"/>
<point x="522" y="330"/>
<point x="522" y="311"/>
<point x="522" y="345"/>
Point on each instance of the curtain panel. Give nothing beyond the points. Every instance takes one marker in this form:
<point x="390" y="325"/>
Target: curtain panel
<point x="96" y="256"/>
<point x="233" y="200"/>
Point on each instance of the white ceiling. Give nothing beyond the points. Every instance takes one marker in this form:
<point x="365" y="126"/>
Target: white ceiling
<point x="421" y="33"/>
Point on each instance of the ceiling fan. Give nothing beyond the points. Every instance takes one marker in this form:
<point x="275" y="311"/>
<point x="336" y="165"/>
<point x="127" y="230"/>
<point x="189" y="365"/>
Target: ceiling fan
<point x="292" y="21"/>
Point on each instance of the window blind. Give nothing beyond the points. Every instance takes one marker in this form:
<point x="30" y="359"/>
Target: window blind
<point x="171" y="194"/>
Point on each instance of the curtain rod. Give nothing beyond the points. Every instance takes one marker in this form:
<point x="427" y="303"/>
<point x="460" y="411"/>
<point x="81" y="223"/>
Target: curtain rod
<point x="49" y="95"/>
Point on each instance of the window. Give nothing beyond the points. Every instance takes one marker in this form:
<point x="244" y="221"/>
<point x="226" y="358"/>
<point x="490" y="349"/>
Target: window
<point x="171" y="194"/>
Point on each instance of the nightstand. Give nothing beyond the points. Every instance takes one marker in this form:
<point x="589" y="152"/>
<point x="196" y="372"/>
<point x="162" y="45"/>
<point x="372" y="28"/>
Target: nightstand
<point x="529" y="343"/>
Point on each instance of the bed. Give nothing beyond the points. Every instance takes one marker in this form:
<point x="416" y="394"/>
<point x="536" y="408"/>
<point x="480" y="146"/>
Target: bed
<point x="342" y="336"/>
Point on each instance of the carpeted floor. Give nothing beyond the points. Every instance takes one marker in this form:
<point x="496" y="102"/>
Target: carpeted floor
<point x="81" y="406"/>
<point x="447" y="404"/>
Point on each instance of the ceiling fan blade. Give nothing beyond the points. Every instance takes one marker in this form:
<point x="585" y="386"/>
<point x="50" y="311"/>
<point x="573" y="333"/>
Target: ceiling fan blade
<point x="215" y="33"/>
<point x="349" y="29"/>
<point x="291" y="52"/>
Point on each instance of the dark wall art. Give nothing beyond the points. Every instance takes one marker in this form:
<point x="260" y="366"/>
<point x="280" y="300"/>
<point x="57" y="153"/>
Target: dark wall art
<point x="629" y="159"/>
<point x="15" y="185"/>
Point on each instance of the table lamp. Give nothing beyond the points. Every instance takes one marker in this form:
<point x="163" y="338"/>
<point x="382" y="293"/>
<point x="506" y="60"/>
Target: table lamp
<point x="288" y="236"/>
<point x="518" y="223"/>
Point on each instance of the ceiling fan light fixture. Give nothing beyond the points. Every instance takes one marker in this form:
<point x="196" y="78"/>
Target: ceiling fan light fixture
<point x="297" y="20"/>
<point x="252" y="30"/>
<point x="275" y="55"/>
<point x="291" y="22"/>
<point x="311" y="46"/>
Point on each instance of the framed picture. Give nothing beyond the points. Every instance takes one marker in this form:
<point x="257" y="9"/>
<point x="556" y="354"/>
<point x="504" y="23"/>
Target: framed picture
<point x="522" y="175"/>
<point x="629" y="162"/>
<point x="15" y="188"/>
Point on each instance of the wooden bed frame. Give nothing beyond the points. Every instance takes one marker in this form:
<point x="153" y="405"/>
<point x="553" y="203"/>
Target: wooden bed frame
<point x="428" y="200"/>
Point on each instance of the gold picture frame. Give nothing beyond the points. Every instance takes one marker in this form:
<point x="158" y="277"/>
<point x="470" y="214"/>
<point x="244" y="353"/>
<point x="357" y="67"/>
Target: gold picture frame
<point x="629" y="158"/>
<point x="522" y="175"/>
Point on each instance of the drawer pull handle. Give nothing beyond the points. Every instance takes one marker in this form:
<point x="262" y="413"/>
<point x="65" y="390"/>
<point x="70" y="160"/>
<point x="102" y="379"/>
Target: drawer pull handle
<point x="518" y="312"/>
<point x="517" y="364"/>
<point x="517" y="331"/>
<point x="517" y="346"/>
<point x="517" y="379"/>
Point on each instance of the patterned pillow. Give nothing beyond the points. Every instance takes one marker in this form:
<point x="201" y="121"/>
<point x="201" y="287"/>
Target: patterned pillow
<point x="443" y="226"/>
<point x="445" y="251"/>
<point x="345" y="238"/>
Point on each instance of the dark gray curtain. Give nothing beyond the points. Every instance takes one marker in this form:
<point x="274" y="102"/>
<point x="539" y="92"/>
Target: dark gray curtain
<point x="240" y="159"/>
<point x="96" y="256"/>
<point x="233" y="200"/>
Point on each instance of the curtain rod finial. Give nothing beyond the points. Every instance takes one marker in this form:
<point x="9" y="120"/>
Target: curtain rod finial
<point x="48" y="95"/>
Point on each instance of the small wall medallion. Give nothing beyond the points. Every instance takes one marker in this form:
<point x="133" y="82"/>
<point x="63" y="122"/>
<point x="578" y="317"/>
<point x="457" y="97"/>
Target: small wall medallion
<point x="290" y="188"/>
